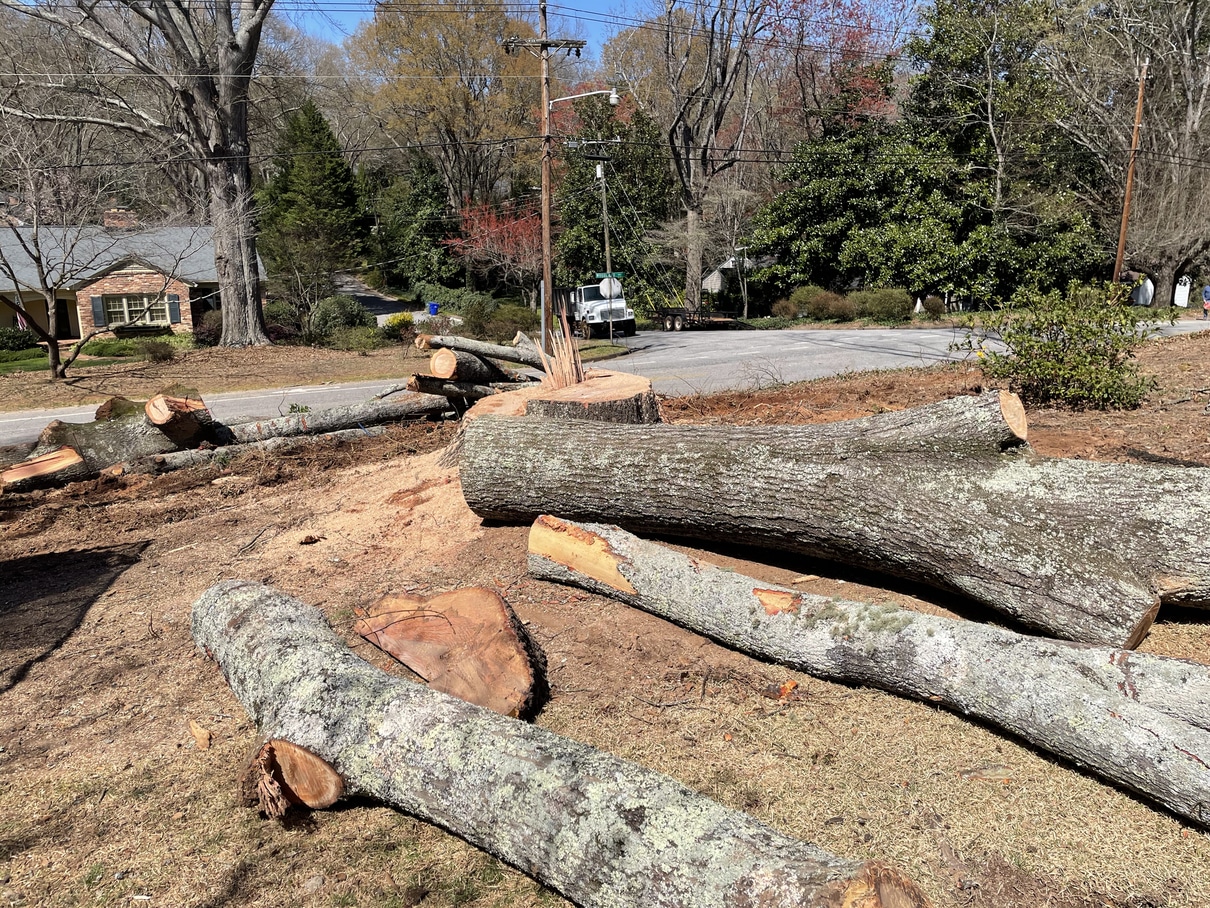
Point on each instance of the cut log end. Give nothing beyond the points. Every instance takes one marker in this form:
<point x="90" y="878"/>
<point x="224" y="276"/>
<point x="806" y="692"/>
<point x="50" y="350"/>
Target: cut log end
<point x="63" y="464"/>
<point x="878" y="886"/>
<point x="578" y="548"/>
<point x="1013" y="412"/>
<point x="281" y="774"/>
<point x="163" y="409"/>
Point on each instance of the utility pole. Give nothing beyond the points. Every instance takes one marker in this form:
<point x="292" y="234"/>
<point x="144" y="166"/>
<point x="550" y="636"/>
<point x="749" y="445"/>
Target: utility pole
<point x="608" y="260"/>
<point x="543" y="46"/>
<point x="1134" y="147"/>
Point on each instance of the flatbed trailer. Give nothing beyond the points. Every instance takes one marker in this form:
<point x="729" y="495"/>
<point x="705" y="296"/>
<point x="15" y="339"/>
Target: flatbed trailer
<point x="678" y="318"/>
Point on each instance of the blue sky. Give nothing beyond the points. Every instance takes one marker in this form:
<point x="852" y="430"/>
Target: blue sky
<point x="592" y="20"/>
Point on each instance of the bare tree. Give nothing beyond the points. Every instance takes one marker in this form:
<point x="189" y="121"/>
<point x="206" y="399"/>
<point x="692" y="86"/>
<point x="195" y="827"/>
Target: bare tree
<point x="699" y="85"/>
<point x="178" y="74"/>
<point x="1096" y="54"/>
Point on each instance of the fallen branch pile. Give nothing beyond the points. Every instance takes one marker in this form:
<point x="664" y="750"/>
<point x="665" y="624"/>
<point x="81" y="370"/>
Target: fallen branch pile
<point x="600" y="830"/>
<point x="171" y="431"/>
<point x="1137" y="720"/>
<point x="946" y="494"/>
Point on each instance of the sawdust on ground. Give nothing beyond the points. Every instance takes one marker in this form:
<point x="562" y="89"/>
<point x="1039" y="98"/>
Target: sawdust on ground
<point x="105" y="795"/>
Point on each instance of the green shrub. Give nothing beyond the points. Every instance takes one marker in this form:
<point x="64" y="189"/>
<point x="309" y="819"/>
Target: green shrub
<point x="399" y="327"/>
<point x="361" y="339"/>
<point x="158" y="351"/>
<point x="209" y="331"/>
<point x="827" y="306"/>
<point x="13" y="339"/>
<point x="17" y="356"/>
<point x="802" y="297"/>
<point x="337" y="312"/>
<point x="475" y="315"/>
<point x="786" y="309"/>
<point x="451" y="299"/>
<point x="891" y="306"/>
<point x="775" y="323"/>
<point x="934" y="306"/>
<point x="111" y="348"/>
<point x="1074" y="348"/>
<point x="507" y="320"/>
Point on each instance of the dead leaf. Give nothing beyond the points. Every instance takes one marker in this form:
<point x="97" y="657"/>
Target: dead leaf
<point x="784" y="691"/>
<point x="200" y="735"/>
<point x="311" y="540"/>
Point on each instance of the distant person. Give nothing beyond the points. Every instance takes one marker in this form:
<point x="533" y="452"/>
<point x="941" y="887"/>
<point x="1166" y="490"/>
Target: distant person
<point x="1206" y="302"/>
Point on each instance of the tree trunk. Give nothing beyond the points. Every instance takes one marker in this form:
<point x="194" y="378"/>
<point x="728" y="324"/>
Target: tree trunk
<point x="53" y="468"/>
<point x="459" y="365"/>
<point x="106" y="442"/>
<point x="590" y="825"/>
<point x="1164" y="278"/>
<point x="179" y="460"/>
<point x="185" y="420"/>
<point x="1121" y="714"/>
<point x="1062" y="545"/>
<point x="693" y="257"/>
<point x="235" y="260"/>
<point x="371" y="413"/>
<point x="456" y="390"/>
<point x="527" y="355"/>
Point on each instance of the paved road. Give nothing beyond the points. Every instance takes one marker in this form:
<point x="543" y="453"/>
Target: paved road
<point x="684" y="362"/>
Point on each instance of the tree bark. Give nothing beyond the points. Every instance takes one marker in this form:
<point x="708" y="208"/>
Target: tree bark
<point x="458" y="365"/>
<point x="179" y="460"/>
<point x="526" y="355"/>
<point x="585" y="823"/>
<point x="1062" y="545"/>
<point x="1129" y="718"/>
<point x="235" y="259"/>
<point x="371" y="413"/>
<point x="458" y="390"/>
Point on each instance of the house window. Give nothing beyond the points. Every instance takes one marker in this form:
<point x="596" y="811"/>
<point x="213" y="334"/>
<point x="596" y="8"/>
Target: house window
<point x="141" y="308"/>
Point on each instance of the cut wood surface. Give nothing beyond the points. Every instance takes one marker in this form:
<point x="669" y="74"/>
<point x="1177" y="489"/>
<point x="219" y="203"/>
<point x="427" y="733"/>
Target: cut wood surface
<point x="105" y="442"/>
<point x="458" y="365"/>
<point x="604" y="396"/>
<point x="56" y="467"/>
<point x="281" y="774"/>
<point x="599" y="830"/>
<point x="370" y="413"/>
<point x="1081" y="550"/>
<point x="185" y="420"/>
<point x="467" y="643"/>
<point x="1117" y="713"/>
<point x="193" y="457"/>
<point x="527" y="354"/>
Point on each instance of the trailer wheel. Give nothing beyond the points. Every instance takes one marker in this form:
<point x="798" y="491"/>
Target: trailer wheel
<point x="667" y="322"/>
<point x="678" y="323"/>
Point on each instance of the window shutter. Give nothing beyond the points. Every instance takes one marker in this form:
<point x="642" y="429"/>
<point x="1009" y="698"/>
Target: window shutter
<point x="174" y="309"/>
<point x="98" y="311"/>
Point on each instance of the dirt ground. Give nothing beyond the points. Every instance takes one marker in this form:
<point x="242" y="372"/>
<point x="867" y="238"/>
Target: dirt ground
<point x="106" y="799"/>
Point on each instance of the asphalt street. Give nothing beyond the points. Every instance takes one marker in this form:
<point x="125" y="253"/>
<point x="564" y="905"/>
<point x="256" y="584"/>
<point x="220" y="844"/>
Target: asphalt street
<point x="684" y="362"/>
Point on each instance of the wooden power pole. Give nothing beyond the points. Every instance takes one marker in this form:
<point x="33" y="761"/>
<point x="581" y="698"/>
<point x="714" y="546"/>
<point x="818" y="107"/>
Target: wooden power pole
<point x="1134" y="147"/>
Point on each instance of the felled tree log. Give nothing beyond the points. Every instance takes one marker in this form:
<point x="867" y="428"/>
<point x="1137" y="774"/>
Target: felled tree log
<point x="467" y="643"/>
<point x="185" y="420"/>
<point x="281" y="775"/>
<point x="525" y="353"/>
<point x="601" y="831"/>
<point x="1085" y="704"/>
<point x="332" y="419"/>
<point x="11" y="454"/>
<point x="604" y="396"/>
<point x="431" y="384"/>
<point x="194" y="457"/>
<point x="1082" y="550"/>
<point x="102" y="443"/>
<point x="458" y="365"/>
<point x="54" y="468"/>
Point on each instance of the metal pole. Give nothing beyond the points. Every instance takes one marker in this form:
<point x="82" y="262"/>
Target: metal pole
<point x="608" y="260"/>
<point x="547" y="276"/>
<point x="1134" y="147"/>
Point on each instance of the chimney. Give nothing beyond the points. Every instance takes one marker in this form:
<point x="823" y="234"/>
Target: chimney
<point x="119" y="218"/>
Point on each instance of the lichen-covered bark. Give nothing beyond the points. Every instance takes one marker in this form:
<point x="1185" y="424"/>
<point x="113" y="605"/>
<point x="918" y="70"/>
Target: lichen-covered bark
<point x="527" y="355"/>
<point x="1082" y="550"/>
<point x="371" y="413"/>
<point x="107" y="441"/>
<point x="601" y="831"/>
<point x="179" y="460"/>
<point x="1119" y="714"/>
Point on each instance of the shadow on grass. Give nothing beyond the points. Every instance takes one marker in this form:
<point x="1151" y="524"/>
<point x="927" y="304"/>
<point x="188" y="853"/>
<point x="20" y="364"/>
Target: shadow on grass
<point x="43" y="598"/>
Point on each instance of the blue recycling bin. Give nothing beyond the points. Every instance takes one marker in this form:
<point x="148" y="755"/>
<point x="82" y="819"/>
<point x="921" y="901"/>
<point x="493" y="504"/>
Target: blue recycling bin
<point x="432" y="308"/>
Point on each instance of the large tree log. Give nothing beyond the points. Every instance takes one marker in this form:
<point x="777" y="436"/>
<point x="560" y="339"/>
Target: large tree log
<point x="458" y="365"/>
<point x="603" y="396"/>
<point x="332" y="419"/>
<point x="465" y="642"/>
<point x="54" y="468"/>
<point x="1082" y="550"/>
<point x="601" y="831"/>
<point x="1087" y="704"/>
<point x="194" y="457"/>
<point x="526" y="354"/>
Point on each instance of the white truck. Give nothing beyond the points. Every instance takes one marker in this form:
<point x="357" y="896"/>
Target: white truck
<point x="595" y="306"/>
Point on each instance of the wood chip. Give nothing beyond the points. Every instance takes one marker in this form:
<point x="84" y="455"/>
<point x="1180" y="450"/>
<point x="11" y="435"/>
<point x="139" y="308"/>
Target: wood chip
<point x="201" y="735"/>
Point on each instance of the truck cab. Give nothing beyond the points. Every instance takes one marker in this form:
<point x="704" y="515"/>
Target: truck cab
<point x="593" y="310"/>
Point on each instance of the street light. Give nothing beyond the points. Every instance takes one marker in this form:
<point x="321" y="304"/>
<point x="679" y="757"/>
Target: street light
<point x="547" y="279"/>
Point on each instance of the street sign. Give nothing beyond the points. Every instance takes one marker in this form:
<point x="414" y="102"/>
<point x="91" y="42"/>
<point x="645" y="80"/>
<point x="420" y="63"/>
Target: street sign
<point x="617" y="274"/>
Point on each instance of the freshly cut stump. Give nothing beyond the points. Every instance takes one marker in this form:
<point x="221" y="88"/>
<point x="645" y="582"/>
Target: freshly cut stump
<point x="281" y="774"/>
<point x="1125" y="716"/>
<point x="603" y="832"/>
<point x="467" y="643"/>
<point x="603" y="396"/>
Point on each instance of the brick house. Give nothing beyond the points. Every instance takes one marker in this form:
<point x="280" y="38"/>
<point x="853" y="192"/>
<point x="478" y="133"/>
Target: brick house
<point x="107" y="275"/>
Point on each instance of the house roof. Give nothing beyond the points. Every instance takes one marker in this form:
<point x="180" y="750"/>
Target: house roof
<point x="77" y="255"/>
